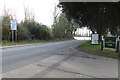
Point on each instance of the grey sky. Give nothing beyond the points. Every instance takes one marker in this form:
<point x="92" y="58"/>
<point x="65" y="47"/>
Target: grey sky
<point x="42" y="9"/>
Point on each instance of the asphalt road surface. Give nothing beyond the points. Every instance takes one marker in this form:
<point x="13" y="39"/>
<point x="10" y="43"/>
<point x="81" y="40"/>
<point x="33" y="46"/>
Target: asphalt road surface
<point x="55" y="59"/>
<point x="17" y="57"/>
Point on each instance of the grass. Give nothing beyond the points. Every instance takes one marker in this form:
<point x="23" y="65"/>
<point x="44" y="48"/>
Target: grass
<point x="96" y="48"/>
<point x="9" y="43"/>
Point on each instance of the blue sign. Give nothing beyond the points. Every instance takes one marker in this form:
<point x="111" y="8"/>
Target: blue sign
<point x="13" y="25"/>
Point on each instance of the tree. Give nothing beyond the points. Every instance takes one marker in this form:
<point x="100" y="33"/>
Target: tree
<point x="0" y="29"/>
<point x="6" y="33"/>
<point x="35" y="29"/>
<point x="63" y="28"/>
<point x="22" y="33"/>
<point x="99" y="17"/>
<point x="26" y="30"/>
<point x="29" y="16"/>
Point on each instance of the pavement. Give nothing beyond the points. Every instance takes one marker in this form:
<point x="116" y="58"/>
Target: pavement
<point x="56" y="60"/>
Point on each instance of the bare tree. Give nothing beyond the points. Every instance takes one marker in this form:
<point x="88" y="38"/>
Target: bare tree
<point x="56" y="13"/>
<point x="0" y="31"/>
<point x="28" y="14"/>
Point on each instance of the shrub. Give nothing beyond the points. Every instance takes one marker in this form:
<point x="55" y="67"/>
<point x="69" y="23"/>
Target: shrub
<point x="22" y="33"/>
<point x="6" y="33"/>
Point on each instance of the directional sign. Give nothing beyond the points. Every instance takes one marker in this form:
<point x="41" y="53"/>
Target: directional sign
<point x="13" y="25"/>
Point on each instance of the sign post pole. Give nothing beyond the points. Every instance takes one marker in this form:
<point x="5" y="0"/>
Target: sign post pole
<point x="102" y="45"/>
<point x="12" y="36"/>
<point x="14" y="30"/>
<point x="16" y="35"/>
<point x="119" y="44"/>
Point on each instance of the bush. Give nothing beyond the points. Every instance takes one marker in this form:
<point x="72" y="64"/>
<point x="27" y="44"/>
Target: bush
<point x="22" y="33"/>
<point x="6" y="32"/>
<point x="26" y="30"/>
<point x="36" y="30"/>
<point x="63" y="28"/>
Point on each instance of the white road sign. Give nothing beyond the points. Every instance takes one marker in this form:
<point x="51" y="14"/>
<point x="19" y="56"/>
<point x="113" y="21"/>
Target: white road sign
<point x="94" y="39"/>
<point x="13" y="25"/>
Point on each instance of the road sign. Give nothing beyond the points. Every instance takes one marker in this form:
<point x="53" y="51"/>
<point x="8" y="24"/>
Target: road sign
<point x="13" y="25"/>
<point x="110" y="42"/>
<point x="94" y="39"/>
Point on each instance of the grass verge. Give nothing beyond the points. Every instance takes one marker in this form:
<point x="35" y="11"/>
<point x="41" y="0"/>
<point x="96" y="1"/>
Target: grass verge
<point x="9" y="43"/>
<point x="96" y="49"/>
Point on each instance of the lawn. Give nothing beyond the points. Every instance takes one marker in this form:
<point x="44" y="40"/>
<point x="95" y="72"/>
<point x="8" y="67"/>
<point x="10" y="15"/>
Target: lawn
<point x="96" y="48"/>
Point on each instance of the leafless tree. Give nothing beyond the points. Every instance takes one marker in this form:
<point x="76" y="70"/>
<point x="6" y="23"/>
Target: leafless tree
<point x="28" y="14"/>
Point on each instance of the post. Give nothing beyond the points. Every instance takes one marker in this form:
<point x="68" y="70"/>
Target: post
<point x="119" y="45"/>
<point x="13" y="28"/>
<point x="12" y="36"/>
<point x="89" y="35"/>
<point x="16" y="35"/>
<point x="102" y="45"/>
<point x="117" y="48"/>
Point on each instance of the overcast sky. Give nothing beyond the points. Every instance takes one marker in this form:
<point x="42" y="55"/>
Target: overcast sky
<point x="42" y="9"/>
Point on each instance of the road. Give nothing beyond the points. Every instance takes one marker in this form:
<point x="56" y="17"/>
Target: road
<point x="16" y="57"/>
<point x="56" y="58"/>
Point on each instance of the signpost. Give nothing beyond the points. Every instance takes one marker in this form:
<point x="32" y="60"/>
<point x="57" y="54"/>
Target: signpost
<point x="111" y="43"/>
<point x="94" y="39"/>
<point x="13" y="28"/>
